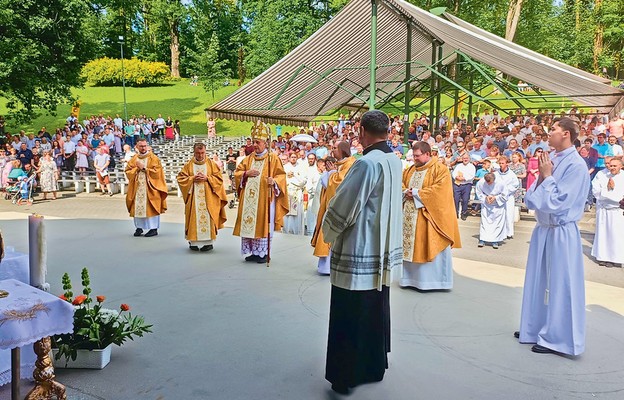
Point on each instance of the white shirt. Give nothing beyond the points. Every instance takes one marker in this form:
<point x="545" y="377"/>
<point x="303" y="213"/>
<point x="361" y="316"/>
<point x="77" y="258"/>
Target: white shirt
<point x="69" y="147"/>
<point x="617" y="150"/>
<point x="468" y="171"/>
<point x="160" y="122"/>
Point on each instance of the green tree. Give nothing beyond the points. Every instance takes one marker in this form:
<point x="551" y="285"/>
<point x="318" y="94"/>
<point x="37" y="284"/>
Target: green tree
<point x="43" y="46"/>
<point x="212" y="72"/>
<point x="278" y="26"/>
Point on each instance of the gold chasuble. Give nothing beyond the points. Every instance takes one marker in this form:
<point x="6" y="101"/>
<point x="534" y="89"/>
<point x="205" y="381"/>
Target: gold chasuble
<point x="429" y="230"/>
<point x="253" y="219"/>
<point x="204" y="202"/>
<point x="321" y="249"/>
<point x="147" y="190"/>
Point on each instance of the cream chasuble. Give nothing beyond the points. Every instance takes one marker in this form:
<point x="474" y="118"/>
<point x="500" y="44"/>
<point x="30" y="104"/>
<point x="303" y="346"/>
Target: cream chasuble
<point x="202" y="216"/>
<point x="250" y="205"/>
<point x="410" y="217"/>
<point x="140" y="200"/>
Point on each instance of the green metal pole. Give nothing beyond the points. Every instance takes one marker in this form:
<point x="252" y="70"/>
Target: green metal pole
<point x="439" y="94"/>
<point x="432" y="89"/>
<point x="373" y="58"/>
<point x="408" y="74"/>
<point x="471" y="84"/>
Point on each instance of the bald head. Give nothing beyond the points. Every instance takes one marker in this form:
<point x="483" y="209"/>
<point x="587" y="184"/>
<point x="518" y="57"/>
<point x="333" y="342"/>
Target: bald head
<point x="342" y="150"/>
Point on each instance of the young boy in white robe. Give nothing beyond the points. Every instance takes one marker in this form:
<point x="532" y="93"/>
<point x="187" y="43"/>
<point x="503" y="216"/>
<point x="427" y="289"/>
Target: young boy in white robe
<point x="608" y="189"/>
<point x="493" y="196"/>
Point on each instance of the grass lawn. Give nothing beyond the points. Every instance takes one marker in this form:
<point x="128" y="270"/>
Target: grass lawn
<point x="177" y="99"/>
<point x="187" y="103"/>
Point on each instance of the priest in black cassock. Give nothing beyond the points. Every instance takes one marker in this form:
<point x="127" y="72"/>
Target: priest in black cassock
<point x="363" y="223"/>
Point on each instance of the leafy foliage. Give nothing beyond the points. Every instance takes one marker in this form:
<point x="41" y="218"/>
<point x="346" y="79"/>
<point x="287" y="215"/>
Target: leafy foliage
<point x="95" y="327"/>
<point x="212" y="72"/>
<point x="108" y="72"/>
<point x="42" y="48"/>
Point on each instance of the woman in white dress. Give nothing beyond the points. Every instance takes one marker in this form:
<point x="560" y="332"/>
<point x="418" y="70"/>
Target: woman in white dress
<point x="82" y="151"/>
<point x="48" y="175"/>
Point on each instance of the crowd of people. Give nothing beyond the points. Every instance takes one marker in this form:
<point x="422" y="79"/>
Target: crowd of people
<point x="493" y="160"/>
<point x="91" y="144"/>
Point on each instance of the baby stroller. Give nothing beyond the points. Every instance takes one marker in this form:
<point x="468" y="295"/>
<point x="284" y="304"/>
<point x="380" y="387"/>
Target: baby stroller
<point x="21" y="192"/>
<point x="234" y="202"/>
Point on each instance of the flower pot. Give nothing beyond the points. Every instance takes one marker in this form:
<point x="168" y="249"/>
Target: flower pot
<point x="90" y="359"/>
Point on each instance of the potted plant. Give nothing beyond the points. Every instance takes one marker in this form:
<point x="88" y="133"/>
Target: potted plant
<point x="96" y="329"/>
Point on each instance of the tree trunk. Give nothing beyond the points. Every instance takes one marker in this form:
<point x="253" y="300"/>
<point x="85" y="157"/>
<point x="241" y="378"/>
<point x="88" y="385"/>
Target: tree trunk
<point x="175" y="49"/>
<point x="456" y="9"/>
<point x="513" y="15"/>
<point x="598" y="36"/>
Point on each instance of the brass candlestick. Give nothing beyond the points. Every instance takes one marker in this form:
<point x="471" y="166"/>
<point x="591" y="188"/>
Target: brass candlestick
<point x="45" y="385"/>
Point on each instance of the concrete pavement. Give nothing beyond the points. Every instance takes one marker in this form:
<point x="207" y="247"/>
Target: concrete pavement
<point x="226" y="329"/>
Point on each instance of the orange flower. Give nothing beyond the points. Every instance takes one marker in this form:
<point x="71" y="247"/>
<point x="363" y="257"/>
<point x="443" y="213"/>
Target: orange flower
<point x="125" y="307"/>
<point x="79" y="300"/>
<point x="100" y="299"/>
<point x="62" y="297"/>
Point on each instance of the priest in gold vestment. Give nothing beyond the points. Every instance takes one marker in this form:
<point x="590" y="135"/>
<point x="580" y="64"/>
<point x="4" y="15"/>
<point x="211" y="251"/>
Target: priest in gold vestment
<point x="337" y="167"/>
<point x="260" y="180"/>
<point x="146" y="198"/>
<point x="201" y="183"/>
<point x="429" y="225"/>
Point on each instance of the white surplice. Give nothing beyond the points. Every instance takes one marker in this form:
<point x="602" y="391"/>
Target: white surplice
<point x="293" y="221"/>
<point x="493" y="229"/>
<point x="609" y="218"/>
<point x="553" y="301"/>
<point x="314" y="192"/>
<point x="510" y="180"/>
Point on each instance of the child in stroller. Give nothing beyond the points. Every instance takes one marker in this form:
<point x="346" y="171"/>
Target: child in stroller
<point x="21" y="192"/>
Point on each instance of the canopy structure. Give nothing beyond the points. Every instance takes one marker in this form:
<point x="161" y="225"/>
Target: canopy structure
<point x="377" y="53"/>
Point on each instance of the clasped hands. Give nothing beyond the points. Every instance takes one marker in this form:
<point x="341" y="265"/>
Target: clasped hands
<point x="200" y="177"/>
<point x="254" y="172"/>
<point x="490" y="199"/>
<point x="611" y="184"/>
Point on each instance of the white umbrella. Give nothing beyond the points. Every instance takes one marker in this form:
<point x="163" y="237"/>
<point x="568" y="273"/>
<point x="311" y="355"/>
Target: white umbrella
<point x="304" y="138"/>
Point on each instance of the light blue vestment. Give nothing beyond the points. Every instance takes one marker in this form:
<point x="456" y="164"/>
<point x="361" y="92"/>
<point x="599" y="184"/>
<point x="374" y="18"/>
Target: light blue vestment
<point x="553" y="302"/>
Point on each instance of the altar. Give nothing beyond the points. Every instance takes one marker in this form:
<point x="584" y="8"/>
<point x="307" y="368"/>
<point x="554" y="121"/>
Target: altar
<point x="28" y="316"/>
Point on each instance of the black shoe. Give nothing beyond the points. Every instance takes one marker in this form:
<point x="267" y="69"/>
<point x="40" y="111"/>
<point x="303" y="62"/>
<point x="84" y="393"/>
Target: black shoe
<point x="151" y="232"/>
<point x="252" y="257"/>
<point x="541" y="349"/>
<point x="509" y="237"/>
<point x="110" y="194"/>
<point x="207" y="247"/>
<point x="341" y="389"/>
<point x="261" y="260"/>
<point x="464" y="217"/>
<point x="194" y="248"/>
<point x="138" y="232"/>
<point x="517" y="334"/>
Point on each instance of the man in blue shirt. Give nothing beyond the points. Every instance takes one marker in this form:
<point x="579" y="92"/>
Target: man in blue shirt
<point x="477" y="154"/>
<point x="321" y="151"/>
<point x="604" y="150"/>
<point x="25" y="155"/>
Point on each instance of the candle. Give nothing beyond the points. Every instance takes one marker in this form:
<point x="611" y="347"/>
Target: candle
<point x="37" y="252"/>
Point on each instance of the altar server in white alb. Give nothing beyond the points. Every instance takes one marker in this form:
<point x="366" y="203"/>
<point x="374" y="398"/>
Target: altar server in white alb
<point x="429" y="225"/>
<point x="295" y="183"/>
<point x="510" y="180"/>
<point x="608" y="189"/>
<point x="363" y="224"/>
<point x="553" y="302"/>
<point x="313" y="177"/>
<point x="493" y="196"/>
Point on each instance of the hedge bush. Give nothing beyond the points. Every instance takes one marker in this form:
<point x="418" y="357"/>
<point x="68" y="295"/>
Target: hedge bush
<point x="107" y="72"/>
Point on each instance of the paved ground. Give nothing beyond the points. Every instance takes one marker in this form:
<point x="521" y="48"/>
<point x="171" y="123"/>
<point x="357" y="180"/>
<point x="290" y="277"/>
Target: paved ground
<point x="225" y="329"/>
